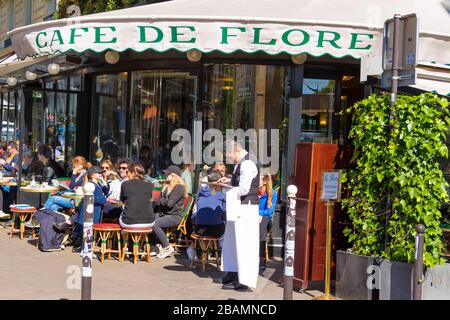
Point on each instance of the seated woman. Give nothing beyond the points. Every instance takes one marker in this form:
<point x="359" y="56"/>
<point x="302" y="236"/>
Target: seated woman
<point x="9" y="166"/>
<point x="112" y="183"/>
<point x="136" y="194"/>
<point x="209" y="217"/>
<point x="77" y="220"/>
<point x="79" y="177"/>
<point x="169" y="208"/>
<point x="267" y="203"/>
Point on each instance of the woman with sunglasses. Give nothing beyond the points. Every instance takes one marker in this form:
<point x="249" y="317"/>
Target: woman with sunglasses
<point x="94" y="175"/>
<point x="169" y="208"/>
<point x="111" y="189"/>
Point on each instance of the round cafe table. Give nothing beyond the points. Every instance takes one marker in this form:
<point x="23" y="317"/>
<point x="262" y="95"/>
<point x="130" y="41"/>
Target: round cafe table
<point x="72" y="195"/>
<point x="11" y="183"/>
<point x="40" y="189"/>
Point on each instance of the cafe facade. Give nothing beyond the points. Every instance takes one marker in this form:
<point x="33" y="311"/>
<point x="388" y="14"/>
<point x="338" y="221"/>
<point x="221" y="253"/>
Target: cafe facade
<point x="118" y="84"/>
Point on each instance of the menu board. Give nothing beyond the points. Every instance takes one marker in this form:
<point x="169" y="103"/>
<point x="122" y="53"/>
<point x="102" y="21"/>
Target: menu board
<point x="331" y="185"/>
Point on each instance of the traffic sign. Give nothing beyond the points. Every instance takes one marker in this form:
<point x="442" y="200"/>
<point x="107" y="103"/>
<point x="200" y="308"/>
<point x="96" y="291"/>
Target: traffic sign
<point x="407" y="46"/>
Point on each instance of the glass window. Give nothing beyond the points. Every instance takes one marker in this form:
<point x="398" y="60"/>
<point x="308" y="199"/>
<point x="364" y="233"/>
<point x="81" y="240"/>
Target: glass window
<point x="162" y="101"/>
<point x="60" y="127"/>
<point x="61" y="84"/>
<point x="72" y="126"/>
<point x="239" y="96"/>
<point x="110" y="100"/>
<point x="49" y="119"/>
<point x="11" y="117"/>
<point x="49" y="85"/>
<point x="318" y="105"/>
<point x="75" y="82"/>
<point x="37" y="123"/>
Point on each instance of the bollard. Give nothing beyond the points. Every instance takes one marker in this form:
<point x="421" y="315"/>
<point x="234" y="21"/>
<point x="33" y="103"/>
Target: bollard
<point x="88" y="241"/>
<point x="289" y="244"/>
<point x="418" y="263"/>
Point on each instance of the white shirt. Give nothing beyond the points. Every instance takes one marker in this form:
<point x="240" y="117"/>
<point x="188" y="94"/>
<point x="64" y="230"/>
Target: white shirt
<point x="248" y="172"/>
<point x="114" y="189"/>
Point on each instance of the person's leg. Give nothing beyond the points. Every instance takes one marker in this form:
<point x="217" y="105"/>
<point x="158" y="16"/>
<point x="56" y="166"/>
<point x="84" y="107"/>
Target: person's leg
<point x="165" y="221"/>
<point x="111" y="211"/>
<point x="262" y="241"/>
<point x="56" y="203"/>
<point x="2" y="213"/>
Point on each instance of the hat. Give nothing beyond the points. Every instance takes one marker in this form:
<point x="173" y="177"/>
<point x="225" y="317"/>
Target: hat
<point x="95" y="169"/>
<point x="172" y="169"/>
<point x="214" y="176"/>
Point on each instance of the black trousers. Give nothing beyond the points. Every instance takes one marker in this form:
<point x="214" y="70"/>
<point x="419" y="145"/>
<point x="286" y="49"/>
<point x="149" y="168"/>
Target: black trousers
<point x="264" y="227"/>
<point x="216" y="230"/>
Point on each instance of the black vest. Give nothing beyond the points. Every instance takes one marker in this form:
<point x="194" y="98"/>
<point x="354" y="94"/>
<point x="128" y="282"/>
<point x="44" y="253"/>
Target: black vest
<point x="252" y="195"/>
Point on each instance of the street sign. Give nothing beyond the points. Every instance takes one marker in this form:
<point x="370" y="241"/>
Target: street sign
<point x="407" y="77"/>
<point x="331" y="185"/>
<point x="407" y="46"/>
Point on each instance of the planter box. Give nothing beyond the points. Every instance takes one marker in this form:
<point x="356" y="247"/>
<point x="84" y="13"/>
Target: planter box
<point x="352" y="275"/>
<point x="437" y="283"/>
<point x="396" y="280"/>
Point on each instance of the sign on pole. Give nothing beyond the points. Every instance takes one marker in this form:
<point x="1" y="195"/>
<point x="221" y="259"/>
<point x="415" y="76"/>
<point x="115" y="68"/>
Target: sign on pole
<point x="407" y="48"/>
<point x="331" y="185"/>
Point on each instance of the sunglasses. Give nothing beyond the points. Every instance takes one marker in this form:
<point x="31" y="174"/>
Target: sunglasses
<point x="123" y="168"/>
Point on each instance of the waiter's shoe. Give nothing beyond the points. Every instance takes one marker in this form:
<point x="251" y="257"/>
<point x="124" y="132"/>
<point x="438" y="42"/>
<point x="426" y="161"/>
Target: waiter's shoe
<point x="230" y="277"/>
<point x="235" y="286"/>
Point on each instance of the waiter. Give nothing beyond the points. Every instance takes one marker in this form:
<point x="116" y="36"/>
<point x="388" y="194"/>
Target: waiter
<point x="240" y="252"/>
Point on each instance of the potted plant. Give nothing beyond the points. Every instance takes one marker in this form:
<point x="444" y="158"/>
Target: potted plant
<point x="395" y="184"/>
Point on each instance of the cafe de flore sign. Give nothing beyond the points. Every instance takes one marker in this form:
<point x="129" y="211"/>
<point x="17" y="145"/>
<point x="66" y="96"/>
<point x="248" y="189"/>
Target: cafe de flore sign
<point x="226" y="37"/>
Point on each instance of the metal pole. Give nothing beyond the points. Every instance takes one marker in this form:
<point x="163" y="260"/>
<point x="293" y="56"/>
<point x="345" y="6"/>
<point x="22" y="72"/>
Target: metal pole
<point x="330" y="206"/>
<point x="394" y="89"/>
<point x="22" y="101"/>
<point x="327" y="295"/>
<point x="289" y="247"/>
<point x="88" y="241"/>
<point x="418" y="263"/>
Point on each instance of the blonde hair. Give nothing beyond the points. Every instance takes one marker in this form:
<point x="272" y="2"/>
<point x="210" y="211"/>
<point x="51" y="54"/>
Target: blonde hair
<point x="269" y="189"/>
<point x="111" y="167"/>
<point x="176" y="180"/>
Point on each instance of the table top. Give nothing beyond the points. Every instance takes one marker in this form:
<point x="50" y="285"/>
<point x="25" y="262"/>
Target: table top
<point x="40" y="189"/>
<point x="10" y="183"/>
<point x="72" y="195"/>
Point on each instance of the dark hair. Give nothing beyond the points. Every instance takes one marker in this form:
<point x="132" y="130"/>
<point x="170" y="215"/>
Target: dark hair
<point x="45" y="151"/>
<point x="137" y="170"/>
<point x="214" y="176"/>
<point x="12" y="144"/>
<point x="127" y="161"/>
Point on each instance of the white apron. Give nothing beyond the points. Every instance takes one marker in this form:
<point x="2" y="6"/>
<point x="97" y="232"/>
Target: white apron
<point x="240" y="251"/>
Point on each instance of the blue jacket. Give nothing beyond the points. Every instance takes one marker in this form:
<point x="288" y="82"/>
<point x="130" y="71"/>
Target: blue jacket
<point x="8" y="166"/>
<point x="263" y="210"/>
<point x="210" y="208"/>
<point x="73" y="181"/>
<point x="99" y="201"/>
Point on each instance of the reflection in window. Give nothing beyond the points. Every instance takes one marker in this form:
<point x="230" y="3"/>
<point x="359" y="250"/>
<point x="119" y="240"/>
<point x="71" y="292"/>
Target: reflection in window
<point x="317" y="110"/>
<point x="241" y="96"/>
<point x="37" y="124"/>
<point x="109" y="141"/>
<point x="162" y="101"/>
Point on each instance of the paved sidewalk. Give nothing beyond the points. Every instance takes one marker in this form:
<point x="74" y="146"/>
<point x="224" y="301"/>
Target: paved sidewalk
<point x="27" y="273"/>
